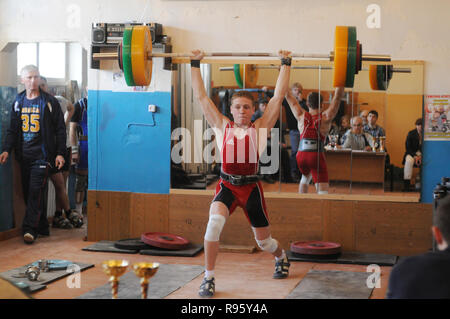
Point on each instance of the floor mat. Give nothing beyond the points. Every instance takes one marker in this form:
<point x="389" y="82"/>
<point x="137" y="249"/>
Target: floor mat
<point x="107" y="246"/>
<point x="328" y="284"/>
<point x="167" y="279"/>
<point x="189" y="251"/>
<point x="348" y="258"/>
<point x="44" y="278"/>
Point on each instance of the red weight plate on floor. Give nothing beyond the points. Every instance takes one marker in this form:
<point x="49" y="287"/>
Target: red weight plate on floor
<point x="164" y="240"/>
<point x="315" y="248"/>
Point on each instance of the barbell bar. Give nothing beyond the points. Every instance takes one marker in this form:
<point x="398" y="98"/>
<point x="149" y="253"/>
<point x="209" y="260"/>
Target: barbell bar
<point x="150" y="54"/>
<point x="135" y="56"/>
<point x="379" y="75"/>
<point x="306" y="67"/>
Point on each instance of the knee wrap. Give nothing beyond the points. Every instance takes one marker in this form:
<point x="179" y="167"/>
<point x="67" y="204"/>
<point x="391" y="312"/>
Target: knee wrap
<point x="306" y="179"/>
<point x="269" y="244"/>
<point x="214" y="227"/>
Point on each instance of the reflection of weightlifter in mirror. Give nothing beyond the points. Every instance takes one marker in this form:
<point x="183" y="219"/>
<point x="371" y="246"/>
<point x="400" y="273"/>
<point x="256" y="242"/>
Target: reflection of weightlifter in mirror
<point x="314" y="127"/>
<point x="239" y="184"/>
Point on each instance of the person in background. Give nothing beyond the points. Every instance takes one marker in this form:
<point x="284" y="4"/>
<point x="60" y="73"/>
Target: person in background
<point x="294" y="134"/>
<point x="38" y="135"/>
<point x="355" y="138"/>
<point x="364" y="115"/>
<point x="59" y="177"/>
<point x="284" y="171"/>
<point x="343" y="128"/>
<point x="78" y="136"/>
<point x="372" y="127"/>
<point x="314" y="126"/>
<point x="413" y="154"/>
<point x="426" y="276"/>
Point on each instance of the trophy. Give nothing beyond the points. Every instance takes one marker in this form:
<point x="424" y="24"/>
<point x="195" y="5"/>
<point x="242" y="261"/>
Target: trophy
<point x="114" y="269"/>
<point x="333" y="141"/>
<point x="145" y="271"/>
<point x="382" y="140"/>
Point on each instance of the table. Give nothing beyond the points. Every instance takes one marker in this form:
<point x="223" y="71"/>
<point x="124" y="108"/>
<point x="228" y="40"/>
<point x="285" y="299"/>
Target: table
<point x="355" y="166"/>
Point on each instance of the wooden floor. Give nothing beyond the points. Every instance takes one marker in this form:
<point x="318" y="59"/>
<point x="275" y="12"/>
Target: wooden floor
<point x="238" y="275"/>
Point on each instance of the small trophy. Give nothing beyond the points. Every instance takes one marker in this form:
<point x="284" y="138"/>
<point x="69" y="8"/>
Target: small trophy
<point x="333" y="141"/>
<point x="114" y="269"/>
<point x="382" y="140"/>
<point x="145" y="271"/>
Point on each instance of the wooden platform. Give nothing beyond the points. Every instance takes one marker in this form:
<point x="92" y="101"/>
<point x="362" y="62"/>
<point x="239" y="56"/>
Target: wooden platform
<point x="387" y="224"/>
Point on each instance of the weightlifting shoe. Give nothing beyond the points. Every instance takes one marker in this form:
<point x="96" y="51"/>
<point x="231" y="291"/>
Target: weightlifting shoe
<point x="281" y="268"/>
<point x="28" y="238"/>
<point x="207" y="288"/>
<point x="75" y="218"/>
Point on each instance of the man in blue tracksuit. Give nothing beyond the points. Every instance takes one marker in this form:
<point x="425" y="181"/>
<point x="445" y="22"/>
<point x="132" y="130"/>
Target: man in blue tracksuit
<point x="38" y="134"/>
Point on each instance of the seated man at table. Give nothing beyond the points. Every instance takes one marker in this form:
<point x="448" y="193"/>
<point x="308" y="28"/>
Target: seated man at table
<point x="355" y="138"/>
<point x="364" y="115"/>
<point x="372" y="127"/>
<point x="413" y="154"/>
<point x="344" y="126"/>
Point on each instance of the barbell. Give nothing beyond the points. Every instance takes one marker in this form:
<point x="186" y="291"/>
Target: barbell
<point x="379" y="75"/>
<point x="135" y="55"/>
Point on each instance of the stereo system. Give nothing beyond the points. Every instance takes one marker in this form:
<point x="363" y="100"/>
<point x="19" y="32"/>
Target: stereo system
<point x="111" y="33"/>
<point x="107" y="36"/>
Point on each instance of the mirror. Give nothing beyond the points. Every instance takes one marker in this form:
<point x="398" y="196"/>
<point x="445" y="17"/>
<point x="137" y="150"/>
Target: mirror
<point x="375" y="170"/>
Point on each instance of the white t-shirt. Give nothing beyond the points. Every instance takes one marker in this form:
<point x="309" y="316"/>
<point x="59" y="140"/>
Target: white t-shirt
<point x="64" y="103"/>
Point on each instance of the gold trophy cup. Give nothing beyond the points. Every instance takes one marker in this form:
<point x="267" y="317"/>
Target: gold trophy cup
<point x="382" y="141"/>
<point x="114" y="269"/>
<point x="145" y="271"/>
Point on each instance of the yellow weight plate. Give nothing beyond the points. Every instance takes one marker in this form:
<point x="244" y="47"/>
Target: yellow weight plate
<point x="340" y="56"/>
<point x="141" y="43"/>
<point x="251" y="75"/>
<point x="373" y="77"/>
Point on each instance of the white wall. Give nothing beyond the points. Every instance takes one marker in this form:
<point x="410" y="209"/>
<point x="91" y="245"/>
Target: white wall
<point x="409" y="29"/>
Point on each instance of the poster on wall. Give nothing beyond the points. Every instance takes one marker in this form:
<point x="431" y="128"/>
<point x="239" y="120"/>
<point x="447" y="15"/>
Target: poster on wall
<point x="437" y="118"/>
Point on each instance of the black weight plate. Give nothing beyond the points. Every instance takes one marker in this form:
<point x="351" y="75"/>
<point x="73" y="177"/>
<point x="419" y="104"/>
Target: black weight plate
<point x="131" y="244"/>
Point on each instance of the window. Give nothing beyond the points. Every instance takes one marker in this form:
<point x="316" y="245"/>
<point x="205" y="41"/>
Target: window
<point x="50" y="58"/>
<point x="26" y="54"/>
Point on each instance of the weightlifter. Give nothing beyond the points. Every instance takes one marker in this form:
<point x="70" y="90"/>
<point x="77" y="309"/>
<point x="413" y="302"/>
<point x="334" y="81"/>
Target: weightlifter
<point x="314" y="127"/>
<point x="239" y="184"/>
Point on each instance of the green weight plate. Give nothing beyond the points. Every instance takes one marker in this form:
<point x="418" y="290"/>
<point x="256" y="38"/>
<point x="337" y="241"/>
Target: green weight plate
<point x="360" y="57"/>
<point x="390" y="72"/>
<point x="351" y="57"/>
<point x="237" y="75"/>
<point x="126" y="56"/>
<point x="381" y="77"/>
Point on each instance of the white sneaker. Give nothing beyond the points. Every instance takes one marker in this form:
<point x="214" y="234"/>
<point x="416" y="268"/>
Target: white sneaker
<point x="28" y="238"/>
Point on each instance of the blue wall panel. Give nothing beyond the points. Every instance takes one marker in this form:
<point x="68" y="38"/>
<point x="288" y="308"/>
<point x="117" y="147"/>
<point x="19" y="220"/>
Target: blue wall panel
<point x="436" y="164"/>
<point x="129" y="147"/>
